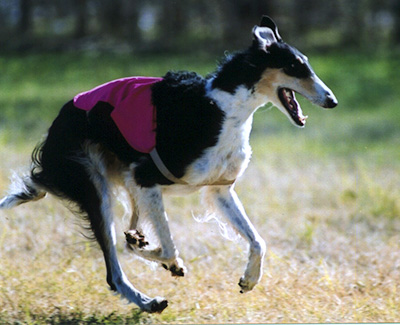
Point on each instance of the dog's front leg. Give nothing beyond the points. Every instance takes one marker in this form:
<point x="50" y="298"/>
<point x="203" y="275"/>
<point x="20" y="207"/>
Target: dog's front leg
<point x="226" y="202"/>
<point x="149" y="206"/>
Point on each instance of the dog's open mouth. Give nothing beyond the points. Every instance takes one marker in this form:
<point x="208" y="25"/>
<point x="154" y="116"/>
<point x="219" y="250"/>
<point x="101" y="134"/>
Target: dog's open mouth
<point x="292" y="106"/>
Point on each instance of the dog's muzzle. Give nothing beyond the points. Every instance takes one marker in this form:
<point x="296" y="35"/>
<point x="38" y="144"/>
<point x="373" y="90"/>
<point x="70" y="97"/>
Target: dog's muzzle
<point x="314" y="90"/>
<point x="330" y="101"/>
<point x="323" y="96"/>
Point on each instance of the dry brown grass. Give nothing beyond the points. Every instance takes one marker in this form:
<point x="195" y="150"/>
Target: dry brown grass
<point x="331" y="225"/>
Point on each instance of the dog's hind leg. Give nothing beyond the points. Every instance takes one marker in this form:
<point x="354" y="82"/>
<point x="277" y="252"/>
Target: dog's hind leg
<point x="84" y="182"/>
<point x="97" y="204"/>
<point x="150" y="207"/>
<point x="225" y="200"/>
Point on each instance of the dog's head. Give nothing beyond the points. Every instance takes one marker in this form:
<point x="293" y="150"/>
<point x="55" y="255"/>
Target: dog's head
<point x="287" y="72"/>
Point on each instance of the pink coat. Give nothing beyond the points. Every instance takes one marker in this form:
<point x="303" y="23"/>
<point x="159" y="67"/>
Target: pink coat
<point x="134" y="113"/>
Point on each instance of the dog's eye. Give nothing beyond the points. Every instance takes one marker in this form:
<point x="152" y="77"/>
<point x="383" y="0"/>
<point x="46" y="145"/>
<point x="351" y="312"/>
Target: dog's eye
<point x="291" y="68"/>
<point x="297" y="69"/>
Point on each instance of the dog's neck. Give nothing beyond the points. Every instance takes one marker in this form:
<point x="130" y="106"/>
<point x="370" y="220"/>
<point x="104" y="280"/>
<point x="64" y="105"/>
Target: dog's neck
<point x="238" y="106"/>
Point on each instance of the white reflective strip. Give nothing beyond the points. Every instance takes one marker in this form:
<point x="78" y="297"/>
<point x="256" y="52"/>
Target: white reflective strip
<point x="163" y="169"/>
<point x="168" y="175"/>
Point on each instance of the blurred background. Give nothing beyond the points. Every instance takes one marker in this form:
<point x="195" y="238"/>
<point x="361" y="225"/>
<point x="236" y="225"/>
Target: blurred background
<point x="325" y="197"/>
<point x="51" y="50"/>
<point x="193" y="25"/>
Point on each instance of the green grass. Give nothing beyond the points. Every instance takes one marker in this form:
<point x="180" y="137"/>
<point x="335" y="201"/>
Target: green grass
<point x="325" y="198"/>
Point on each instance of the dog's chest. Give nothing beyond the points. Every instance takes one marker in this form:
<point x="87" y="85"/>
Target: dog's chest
<point x="225" y="161"/>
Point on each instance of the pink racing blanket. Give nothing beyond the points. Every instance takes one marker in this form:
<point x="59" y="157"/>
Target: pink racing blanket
<point x="134" y="113"/>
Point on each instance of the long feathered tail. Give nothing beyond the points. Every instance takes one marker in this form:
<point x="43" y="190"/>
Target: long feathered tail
<point x="22" y="190"/>
<point x="25" y="188"/>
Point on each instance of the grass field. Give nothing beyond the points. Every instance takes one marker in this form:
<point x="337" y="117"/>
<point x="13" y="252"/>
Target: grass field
<point x="325" y="198"/>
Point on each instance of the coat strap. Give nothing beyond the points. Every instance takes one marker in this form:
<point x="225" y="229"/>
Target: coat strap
<point x="171" y="177"/>
<point x="163" y="169"/>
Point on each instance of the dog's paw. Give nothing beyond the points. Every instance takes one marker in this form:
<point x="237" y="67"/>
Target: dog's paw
<point x="135" y="238"/>
<point x="246" y="284"/>
<point x="177" y="268"/>
<point x="156" y="305"/>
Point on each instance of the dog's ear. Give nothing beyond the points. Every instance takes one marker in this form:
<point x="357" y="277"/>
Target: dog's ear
<point x="264" y="36"/>
<point x="268" y="22"/>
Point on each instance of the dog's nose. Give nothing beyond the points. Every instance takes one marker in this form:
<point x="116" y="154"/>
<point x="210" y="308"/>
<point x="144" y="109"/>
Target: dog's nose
<point x="330" y="101"/>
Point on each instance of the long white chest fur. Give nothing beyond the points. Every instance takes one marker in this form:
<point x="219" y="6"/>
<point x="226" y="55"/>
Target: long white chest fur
<point x="225" y="161"/>
<point x="229" y="158"/>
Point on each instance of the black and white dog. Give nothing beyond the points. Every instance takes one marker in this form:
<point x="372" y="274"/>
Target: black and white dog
<point x="202" y="143"/>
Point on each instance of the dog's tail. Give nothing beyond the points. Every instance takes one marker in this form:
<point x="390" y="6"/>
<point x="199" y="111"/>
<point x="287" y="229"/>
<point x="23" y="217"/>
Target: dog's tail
<point x="22" y="190"/>
<point x="25" y="188"/>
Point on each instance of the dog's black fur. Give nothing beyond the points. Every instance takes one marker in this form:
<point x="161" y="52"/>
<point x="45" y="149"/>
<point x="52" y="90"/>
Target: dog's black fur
<point x="246" y="67"/>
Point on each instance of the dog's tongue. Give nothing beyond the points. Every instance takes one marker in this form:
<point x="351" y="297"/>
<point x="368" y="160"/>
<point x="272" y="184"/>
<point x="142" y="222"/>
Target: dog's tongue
<point x="294" y="106"/>
<point x="302" y="118"/>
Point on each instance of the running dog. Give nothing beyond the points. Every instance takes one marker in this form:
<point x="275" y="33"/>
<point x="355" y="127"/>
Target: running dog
<point x="179" y="133"/>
